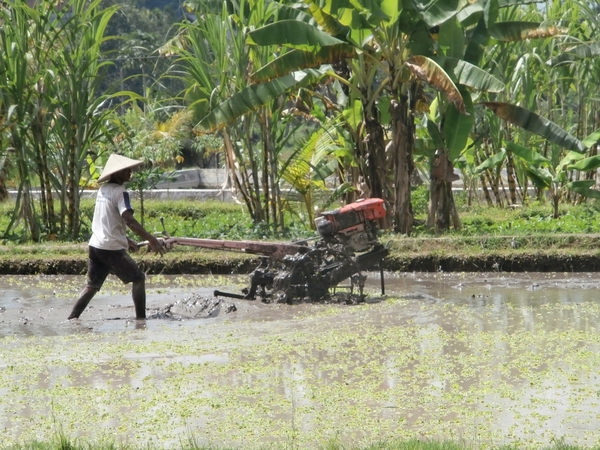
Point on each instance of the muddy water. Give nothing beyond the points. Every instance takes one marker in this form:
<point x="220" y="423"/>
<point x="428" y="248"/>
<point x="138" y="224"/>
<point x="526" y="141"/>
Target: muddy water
<point x="480" y="358"/>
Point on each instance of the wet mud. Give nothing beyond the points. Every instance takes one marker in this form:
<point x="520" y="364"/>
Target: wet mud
<point x="194" y="307"/>
<point x="485" y="358"/>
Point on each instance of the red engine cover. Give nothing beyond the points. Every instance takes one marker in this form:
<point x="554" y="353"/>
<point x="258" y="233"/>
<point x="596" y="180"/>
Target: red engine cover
<point x="351" y="218"/>
<point x="372" y="208"/>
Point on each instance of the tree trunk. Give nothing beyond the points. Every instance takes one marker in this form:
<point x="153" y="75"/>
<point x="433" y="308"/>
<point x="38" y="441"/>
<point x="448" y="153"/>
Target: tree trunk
<point x="442" y="222"/>
<point x="3" y="174"/>
<point x="512" y="181"/>
<point x="142" y="208"/>
<point x="355" y="176"/>
<point x="252" y="181"/>
<point x="486" y="192"/>
<point x="442" y="175"/>
<point x="494" y="185"/>
<point x="273" y="169"/>
<point x="374" y="146"/>
<point x="266" y="192"/>
<point x="401" y="150"/>
<point x="41" y="155"/>
<point x="372" y="157"/>
<point x="432" y="205"/>
<point x="72" y="184"/>
<point x="456" y="222"/>
<point x="239" y="185"/>
<point x="24" y="207"/>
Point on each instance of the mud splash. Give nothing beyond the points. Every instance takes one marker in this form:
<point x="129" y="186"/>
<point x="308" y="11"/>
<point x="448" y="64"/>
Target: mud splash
<point x="194" y="307"/>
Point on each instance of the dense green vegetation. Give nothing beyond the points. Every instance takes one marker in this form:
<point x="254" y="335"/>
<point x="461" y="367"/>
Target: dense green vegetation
<point x="367" y="101"/>
<point x="222" y="220"/>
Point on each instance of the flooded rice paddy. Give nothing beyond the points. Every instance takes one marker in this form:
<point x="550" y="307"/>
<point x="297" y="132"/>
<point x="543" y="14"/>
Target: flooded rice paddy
<point x="487" y="358"/>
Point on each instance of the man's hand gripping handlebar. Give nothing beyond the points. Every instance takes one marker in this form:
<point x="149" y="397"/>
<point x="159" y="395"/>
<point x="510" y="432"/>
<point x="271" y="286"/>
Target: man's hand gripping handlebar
<point x="158" y="245"/>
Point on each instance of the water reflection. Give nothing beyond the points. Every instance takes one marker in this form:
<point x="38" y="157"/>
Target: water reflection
<point x="496" y="358"/>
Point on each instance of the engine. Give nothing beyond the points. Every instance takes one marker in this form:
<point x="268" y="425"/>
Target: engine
<point x="354" y="225"/>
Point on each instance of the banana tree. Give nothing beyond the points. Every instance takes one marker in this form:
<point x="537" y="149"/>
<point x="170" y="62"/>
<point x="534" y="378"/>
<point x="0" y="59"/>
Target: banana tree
<point x="304" y="173"/>
<point x="574" y="60"/>
<point x="251" y="118"/>
<point x="459" y="38"/>
<point x="577" y="53"/>
<point x="553" y="78"/>
<point x="545" y="173"/>
<point x="461" y="44"/>
<point x="555" y="178"/>
<point x="367" y="41"/>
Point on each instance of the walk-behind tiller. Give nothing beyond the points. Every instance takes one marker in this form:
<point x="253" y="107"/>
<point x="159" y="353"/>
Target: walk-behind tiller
<point x="292" y="272"/>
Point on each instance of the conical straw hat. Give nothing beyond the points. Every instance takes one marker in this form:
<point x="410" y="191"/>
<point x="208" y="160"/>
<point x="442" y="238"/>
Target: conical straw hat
<point x="116" y="163"/>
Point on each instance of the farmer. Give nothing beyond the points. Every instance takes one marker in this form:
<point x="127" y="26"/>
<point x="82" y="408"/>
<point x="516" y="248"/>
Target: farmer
<point x="109" y="243"/>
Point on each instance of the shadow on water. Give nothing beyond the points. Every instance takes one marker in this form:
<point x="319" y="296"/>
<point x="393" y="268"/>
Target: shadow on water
<point x="483" y="358"/>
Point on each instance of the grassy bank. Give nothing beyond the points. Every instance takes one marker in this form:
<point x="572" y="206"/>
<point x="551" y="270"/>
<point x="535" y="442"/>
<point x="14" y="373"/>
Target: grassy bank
<point x="491" y="238"/>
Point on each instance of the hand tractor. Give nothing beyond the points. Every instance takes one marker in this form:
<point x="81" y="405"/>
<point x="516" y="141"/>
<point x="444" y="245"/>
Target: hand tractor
<point x="299" y="271"/>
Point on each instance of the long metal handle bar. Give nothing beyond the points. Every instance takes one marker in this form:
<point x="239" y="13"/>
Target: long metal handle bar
<point x="276" y="251"/>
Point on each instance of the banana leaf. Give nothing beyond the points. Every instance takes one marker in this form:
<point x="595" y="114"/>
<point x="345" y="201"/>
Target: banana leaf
<point x="294" y="34"/>
<point x="353" y="114"/>
<point x="297" y="60"/>
<point x="491" y="162"/>
<point x="284" y="12"/>
<point x="578" y="52"/>
<point x="327" y="22"/>
<point x="592" y="139"/>
<point x="520" y="31"/>
<point x="437" y="12"/>
<point x="586" y="164"/>
<point x="392" y="9"/>
<point x="584" y="187"/>
<point x="470" y="15"/>
<point x="470" y="75"/>
<point x="457" y="127"/>
<point x="452" y="39"/>
<point x="435" y="135"/>
<point x="532" y="122"/>
<point x="529" y="156"/>
<point x="568" y="159"/>
<point x="507" y="3"/>
<point x="253" y="97"/>
<point x="429" y="71"/>
<point x="541" y="179"/>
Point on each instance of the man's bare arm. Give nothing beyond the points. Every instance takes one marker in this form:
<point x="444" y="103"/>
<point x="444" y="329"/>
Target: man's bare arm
<point x="138" y="229"/>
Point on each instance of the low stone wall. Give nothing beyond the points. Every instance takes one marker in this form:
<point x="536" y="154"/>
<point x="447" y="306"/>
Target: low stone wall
<point x="223" y="195"/>
<point x="194" y="179"/>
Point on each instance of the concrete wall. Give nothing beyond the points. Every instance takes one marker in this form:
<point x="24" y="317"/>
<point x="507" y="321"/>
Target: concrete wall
<point x="195" y="179"/>
<point x="194" y="184"/>
<point x="223" y="195"/>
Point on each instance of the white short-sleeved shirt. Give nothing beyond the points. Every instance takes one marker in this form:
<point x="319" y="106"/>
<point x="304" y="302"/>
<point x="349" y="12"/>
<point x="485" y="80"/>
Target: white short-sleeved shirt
<point x="109" y="231"/>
